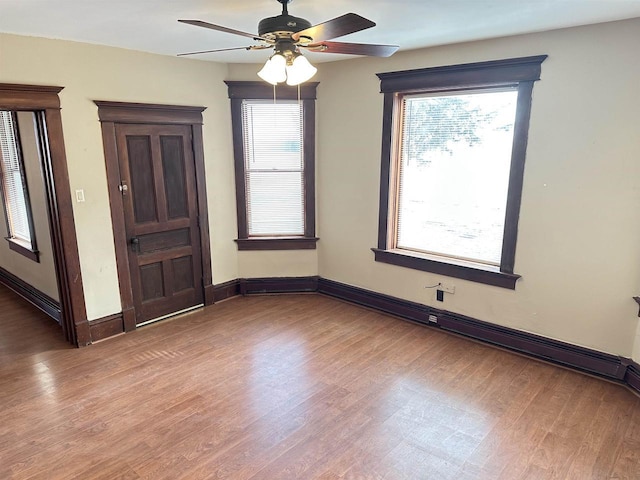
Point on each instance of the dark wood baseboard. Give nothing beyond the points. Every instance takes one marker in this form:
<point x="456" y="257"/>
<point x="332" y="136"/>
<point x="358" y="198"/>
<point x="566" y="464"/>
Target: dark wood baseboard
<point x="31" y="294"/>
<point x="106" y="327"/>
<point x="632" y="377"/>
<point x="415" y="312"/>
<point x="209" y="295"/>
<point x="226" y="290"/>
<point x="590" y="361"/>
<point x="250" y="286"/>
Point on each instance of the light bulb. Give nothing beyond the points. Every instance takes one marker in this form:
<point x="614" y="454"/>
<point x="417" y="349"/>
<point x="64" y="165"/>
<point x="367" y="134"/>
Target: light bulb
<point x="274" y="71"/>
<point x="300" y="71"/>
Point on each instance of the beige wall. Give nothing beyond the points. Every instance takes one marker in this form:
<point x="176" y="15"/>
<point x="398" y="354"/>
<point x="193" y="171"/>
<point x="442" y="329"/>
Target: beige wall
<point x="578" y="247"/>
<point x="579" y="234"/>
<point x="40" y="275"/>
<point x="90" y="72"/>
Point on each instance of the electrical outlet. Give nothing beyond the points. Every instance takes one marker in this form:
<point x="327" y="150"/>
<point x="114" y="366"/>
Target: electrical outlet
<point x="447" y="287"/>
<point x="433" y="319"/>
<point x="440" y="295"/>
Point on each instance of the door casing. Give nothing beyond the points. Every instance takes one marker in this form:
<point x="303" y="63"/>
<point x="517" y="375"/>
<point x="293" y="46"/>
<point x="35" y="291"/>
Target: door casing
<point x="44" y="100"/>
<point x="112" y="113"/>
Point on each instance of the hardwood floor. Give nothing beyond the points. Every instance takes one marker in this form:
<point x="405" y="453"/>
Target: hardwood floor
<point x="298" y="386"/>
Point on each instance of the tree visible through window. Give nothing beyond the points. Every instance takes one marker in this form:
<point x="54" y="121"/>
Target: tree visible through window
<point x="454" y="166"/>
<point x="14" y="188"/>
<point x="454" y="143"/>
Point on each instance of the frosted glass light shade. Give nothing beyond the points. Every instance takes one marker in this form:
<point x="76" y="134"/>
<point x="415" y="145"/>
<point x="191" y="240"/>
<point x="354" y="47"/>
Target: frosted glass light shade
<point x="300" y="71"/>
<point x="274" y="71"/>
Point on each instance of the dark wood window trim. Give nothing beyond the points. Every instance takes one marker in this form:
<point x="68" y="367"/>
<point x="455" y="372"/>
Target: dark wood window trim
<point x="31" y="252"/>
<point x="515" y="72"/>
<point x="239" y="91"/>
<point x="45" y="102"/>
<point x="24" y="251"/>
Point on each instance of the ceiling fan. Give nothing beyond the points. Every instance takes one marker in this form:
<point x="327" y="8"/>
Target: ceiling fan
<point x="287" y="35"/>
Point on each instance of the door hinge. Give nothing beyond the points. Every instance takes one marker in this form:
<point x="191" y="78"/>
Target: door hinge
<point x="123" y="188"/>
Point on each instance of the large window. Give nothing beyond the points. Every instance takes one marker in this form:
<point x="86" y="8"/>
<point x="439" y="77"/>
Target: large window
<point x="14" y="188"/>
<point x="274" y="145"/>
<point x="454" y="142"/>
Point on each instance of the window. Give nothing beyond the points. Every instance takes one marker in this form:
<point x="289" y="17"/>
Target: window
<point x="274" y="148"/>
<point x="14" y="188"/>
<point x="454" y="142"/>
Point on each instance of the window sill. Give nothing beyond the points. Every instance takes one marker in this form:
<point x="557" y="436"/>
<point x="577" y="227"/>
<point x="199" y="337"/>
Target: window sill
<point x="464" y="270"/>
<point x="23" y="250"/>
<point x="277" y="243"/>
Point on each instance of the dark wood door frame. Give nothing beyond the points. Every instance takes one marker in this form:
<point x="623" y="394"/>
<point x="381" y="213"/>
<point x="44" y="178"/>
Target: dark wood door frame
<point x="112" y="113"/>
<point x="45" y="102"/>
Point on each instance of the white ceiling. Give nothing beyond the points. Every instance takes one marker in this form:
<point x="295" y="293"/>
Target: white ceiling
<point x="151" y="26"/>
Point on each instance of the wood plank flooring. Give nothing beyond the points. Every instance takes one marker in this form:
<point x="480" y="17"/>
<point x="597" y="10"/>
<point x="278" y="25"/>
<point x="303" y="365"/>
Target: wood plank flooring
<point x="298" y="387"/>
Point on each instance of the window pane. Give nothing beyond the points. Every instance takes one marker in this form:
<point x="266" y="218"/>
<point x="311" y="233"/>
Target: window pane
<point x="13" y="181"/>
<point x="275" y="203"/>
<point x="273" y="167"/>
<point x="454" y="171"/>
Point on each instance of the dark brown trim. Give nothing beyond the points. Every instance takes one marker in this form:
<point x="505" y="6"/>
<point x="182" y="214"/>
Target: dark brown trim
<point x="585" y="359"/>
<point x="385" y="169"/>
<point x="498" y="73"/>
<point x="239" y="91"/>
<point x="203" y="209"/>
<point x="45" y="102"/>
<point x="35" y="297"/>
<point x="226" y="290"/>
<point x="415" y="312"/>
<point x="591" y="361"/>
<point x="637" y="299"/>
<point x="632" y="376"/>
<point x="121" y="112"/>
<point x="113" y="113"/>
<point x="32" y="251"/>
<point x="24" y="97"/>
<point x="473" y="274"/>
<point x="516" y="176"/>
<point x="253" y="89"/>
<point x="24" y="251"/>
<point x="106" y="327"/>
<point x="493" y="72"/>
<point x="250" y="286"/>
<point x="277" y="243"/>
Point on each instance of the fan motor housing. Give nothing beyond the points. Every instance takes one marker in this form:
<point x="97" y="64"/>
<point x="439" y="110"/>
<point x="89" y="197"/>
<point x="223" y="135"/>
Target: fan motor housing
<point x="282" y="23"/>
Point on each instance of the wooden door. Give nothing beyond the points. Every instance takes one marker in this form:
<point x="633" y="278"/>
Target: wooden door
<point x="161" y="218"/>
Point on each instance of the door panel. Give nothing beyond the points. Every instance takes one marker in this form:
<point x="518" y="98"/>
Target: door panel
<point x="161" y="218"/>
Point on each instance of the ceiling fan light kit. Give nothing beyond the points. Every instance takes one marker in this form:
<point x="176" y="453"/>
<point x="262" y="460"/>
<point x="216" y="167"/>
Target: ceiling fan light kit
<point x="287" y="34"/>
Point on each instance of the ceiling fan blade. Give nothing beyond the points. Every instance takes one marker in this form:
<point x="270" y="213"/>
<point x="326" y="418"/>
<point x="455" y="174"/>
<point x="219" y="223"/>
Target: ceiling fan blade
<point x="252" y="47"/>
<point x="367" y="49"/>
<point x="337" y="27"/>
<point x="200" y="23"/>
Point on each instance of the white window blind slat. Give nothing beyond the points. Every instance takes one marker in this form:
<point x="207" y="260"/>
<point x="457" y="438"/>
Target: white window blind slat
<point x="13" y="181"/>
<point x="274" y="167"/>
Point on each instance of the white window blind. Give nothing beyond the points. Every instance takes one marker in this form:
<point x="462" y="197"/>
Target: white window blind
<point x="455" y="157"/>
<point x="274" y="167"/>
<point x="13" y="181"/>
